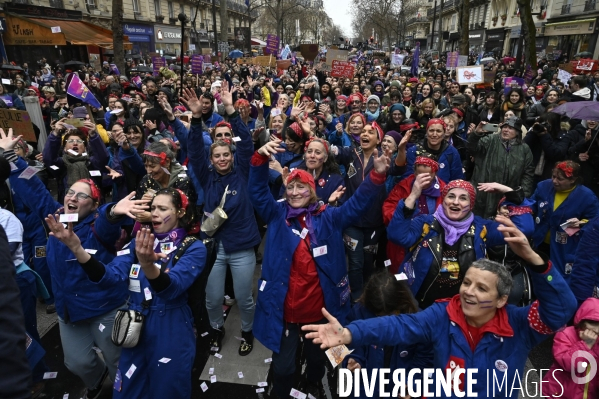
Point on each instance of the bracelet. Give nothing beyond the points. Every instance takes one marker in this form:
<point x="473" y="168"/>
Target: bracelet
<point x="112" y="215"/>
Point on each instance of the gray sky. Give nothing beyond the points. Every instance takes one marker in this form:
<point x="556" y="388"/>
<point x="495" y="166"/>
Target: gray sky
<point x="339" y="12"/>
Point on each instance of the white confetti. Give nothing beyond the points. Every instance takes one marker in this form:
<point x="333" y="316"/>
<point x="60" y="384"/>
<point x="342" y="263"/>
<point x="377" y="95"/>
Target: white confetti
<point x="372" y="236"/>
<point x="54" y="167"/>
<point x="240" y="374"/>
<point x="91" y="251"/>
<point x="69" y="217"/>
<point x="101" y="327"/>
<point x="218" y="355"/>
<point x="401" y="276"/>
<point x="204" y="334"/>
<point x="123" y="252"/>
<point x="310" y="396"/>
<point x="95" y="173"/>
<point x="212" y="379"/>
<point x="164" y="360"/>
<point x="131" y="371"/>
<point x="297" y="394"/>
<point x="263" y="384"/>
<point x="388" y="262"/>
<point x="268" y="360"/>
<point x="211" y="371"/>
<point x="259" y="390"/>
<point x="65" y="396"/>
<point x="50" y="375"/>
<point x="204" y="387"/>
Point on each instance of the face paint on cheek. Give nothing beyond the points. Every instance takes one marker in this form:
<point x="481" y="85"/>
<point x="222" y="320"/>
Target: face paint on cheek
<point x="485" y="301"/>
<point x="466" y="209"/>
<point x="166" y="219"/>
<point x="305" y="194"/>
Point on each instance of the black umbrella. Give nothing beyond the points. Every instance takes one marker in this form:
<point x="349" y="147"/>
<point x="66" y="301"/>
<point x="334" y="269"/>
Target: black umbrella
<point x="10" y="67"/>
<point x="584" y="54"/>
<point x="136" y="56"/>
<point x="175" y="67"/>
<point x="141" y="68"/>
<point x="74" y="63"/>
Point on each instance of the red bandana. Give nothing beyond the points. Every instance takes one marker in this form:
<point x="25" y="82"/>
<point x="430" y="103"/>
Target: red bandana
<point x="427" y="162"/>
<point x="461" y="184"/>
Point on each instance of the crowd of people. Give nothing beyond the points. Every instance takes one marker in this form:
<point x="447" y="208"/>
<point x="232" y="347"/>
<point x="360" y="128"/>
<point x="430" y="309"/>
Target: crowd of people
<point x="437" y="218"/>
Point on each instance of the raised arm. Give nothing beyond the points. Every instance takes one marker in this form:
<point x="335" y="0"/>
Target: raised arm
<point x="258" y="189"/>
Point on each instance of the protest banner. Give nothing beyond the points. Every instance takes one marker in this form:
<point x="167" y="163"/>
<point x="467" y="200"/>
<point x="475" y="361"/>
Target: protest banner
<point x="272" y="44"/>
<point x="157" y="63"/>
<point x="452" y="59"/>
<point x="283" y="64"/>
<point x="470" y="74"/>
<point x="343" y="69"/>
<point x="339" y="55"/>
<point x="19" y="122"/>
<point x="197" y="64"/>
<point x="266" y="60"/>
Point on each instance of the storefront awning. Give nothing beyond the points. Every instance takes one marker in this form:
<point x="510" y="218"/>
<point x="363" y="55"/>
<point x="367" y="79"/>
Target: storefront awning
<point x="258" y="42"/>
<point x="83" y="33"/>
<point x="576" y="27"/>
<point x="75" y="32"/>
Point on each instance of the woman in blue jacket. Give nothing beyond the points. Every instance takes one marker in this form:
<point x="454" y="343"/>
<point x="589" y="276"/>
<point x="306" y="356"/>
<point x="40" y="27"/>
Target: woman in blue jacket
<point x="436" y="147"/>
<point x="304" y="265"/>
<point x="443" y="245"/>
<point x="85" y="311"/>
<point x="562" y="207"/>
<point x="159" y="266"/>
<point x="475" y="329"/>
<point x="237" y="235"/>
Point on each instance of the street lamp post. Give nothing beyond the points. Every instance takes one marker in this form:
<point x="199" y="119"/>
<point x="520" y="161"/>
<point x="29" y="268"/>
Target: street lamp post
<point x="183" y="19"/>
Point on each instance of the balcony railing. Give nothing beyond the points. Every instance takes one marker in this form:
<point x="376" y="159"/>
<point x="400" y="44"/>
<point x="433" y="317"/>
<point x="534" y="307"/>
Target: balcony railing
<point x="589" y="5"/>
<point x="447" y="6"/>
<point x="566" y="9"/>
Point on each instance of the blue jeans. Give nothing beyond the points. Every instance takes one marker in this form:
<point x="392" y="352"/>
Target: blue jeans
<point x="78" y="340"/>
<point x="360" y="261"/>
<point x="242" y="264"/>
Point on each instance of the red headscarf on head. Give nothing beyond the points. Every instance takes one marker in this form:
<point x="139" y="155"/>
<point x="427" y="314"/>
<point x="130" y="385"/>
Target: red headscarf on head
<point x="297" y="129"/>
<point x="316" y="140"/>
<point x="92" y="187"/>
<point x="226" y="124"/>
<point x="242" y="103"/>
<point x="379" y="130"/>
<point x="302" y="176"/>
<point x="568" y="170"/>
<point x="359" y="95"/>
<point x="461" y="184"/>
<point x="404" y="127"/>
<point x="436" y="121"/>
<point x="161" y="156"/>
<point x="184" y="199"/>
<point x="426" y="161"/>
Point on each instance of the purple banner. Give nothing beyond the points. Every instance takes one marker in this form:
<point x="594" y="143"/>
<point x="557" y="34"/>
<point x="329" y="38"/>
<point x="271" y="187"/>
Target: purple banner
<point x="272" y="44"/>
<point x="452" y="59"/>
<point x="136" y="80"/>
<point x="197" y="63"/>
<point x="207" y="59"/>
<point x="157" y="63"/>
<point x="114" y="69"/>
<point x="7" y="99"/>
<point x="76" y="88"/>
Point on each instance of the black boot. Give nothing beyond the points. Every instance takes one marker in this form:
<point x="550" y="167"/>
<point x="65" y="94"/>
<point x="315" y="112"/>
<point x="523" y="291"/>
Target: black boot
<point x="247" y="344"/>
<point x="216" y="342"/>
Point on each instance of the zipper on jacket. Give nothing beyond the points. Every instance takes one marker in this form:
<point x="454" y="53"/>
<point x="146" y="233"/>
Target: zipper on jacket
<point x="438" y="274"/>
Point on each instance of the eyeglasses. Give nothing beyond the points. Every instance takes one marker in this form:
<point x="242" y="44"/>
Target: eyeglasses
<point x="80" y="196"/>
<point x="220" y="135"/>
<point x="356" y="102"/>
<point x="74" y="141"/>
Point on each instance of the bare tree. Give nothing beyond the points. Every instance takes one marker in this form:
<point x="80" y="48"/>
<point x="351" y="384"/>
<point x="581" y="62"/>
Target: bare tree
<point x="117" y="35"/>
<point x="465" y="28"/>
<point x="224" y="22"/>
<point x="530" y="32"/>
<point x="282" y="10"/>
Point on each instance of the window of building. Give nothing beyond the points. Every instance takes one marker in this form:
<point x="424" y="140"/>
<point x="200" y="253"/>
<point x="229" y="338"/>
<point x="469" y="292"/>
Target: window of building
<point x="171" y="11"/>
<point x="157" y="9"/>
<point x="136" y="8"/>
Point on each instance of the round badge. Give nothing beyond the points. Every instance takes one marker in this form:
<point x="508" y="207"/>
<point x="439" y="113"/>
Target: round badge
<point x="542" y="204"/>
<point x="321" y="182"/>
<point x="403" y="353"/>
<point x="501" y="365"/>
<point x="537" y="220"/>
<point x="441" y="165"/>
<point x="173" y="235"/>
<point x="234" y="192"/>
<point x="436" y="186"/>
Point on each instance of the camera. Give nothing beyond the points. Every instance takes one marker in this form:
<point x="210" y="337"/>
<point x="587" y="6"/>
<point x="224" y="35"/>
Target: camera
<point x="540" y="128"/>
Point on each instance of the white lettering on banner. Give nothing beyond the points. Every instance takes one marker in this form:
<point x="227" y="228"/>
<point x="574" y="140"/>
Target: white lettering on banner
<point x="474" y="36"/>
<point x="172" y="35"/>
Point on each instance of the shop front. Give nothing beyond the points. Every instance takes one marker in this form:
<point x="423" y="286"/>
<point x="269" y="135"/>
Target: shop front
<point x="573" y="36"/>
<point x="453" y="41"/>
<point x="141" y="36"/>
<point x="475" y="39"/>
<point x="33" y="33"/>
<point x="495" y="40"/>
<point x="167" y="39"/>
<point x="516" y="32"/>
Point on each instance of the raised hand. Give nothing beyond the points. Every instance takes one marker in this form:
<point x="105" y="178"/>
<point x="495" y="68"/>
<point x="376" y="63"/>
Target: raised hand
<point x="121" y="139"/>
<point x="328" y="335"/>
<point x="226" y="94"/>
<point x="7" y="141"/>
<point x="144" y="249"/>
<point x="493" y="188"/>
<point x="271" y="148"/>
<point x="168" y="110"/>
<point x="130" y="206"/>
<point x="113" y="173"/>
<point x="382" y="162"/>
<point x="150" y="125"/>
<point x="517" y="241"/>
<point x="337" y="194"/>
<point x="64" y="235"/>
<point x="192" y="102"/>
<point x="420" y="182"/>
<point x="352" y="365"/>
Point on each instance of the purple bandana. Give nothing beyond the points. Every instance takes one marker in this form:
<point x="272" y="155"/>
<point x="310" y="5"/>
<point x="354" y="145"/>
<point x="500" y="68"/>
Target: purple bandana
<point x="308" y="212"/>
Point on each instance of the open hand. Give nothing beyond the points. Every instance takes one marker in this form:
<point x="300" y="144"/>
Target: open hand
<point x="328" y="335"/>
<point x="517" y="241"/>
<point x="7" y="141"/>
<point x="144" y="248"/>
<point x="382" y="162"/>
<point x="493" y="188"/>
<point x="271" y="148"/>
<point x="130" y="206"/>
<point x="191" y="101"/>
<point x="64" y="235"/>
<point x="337" y="194"/>
<point x="113" y="173"/>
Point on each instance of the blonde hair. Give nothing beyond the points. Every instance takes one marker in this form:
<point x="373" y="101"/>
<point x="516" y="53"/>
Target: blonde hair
<point x="426" y="102"/>
<point x="282" y="115"/>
